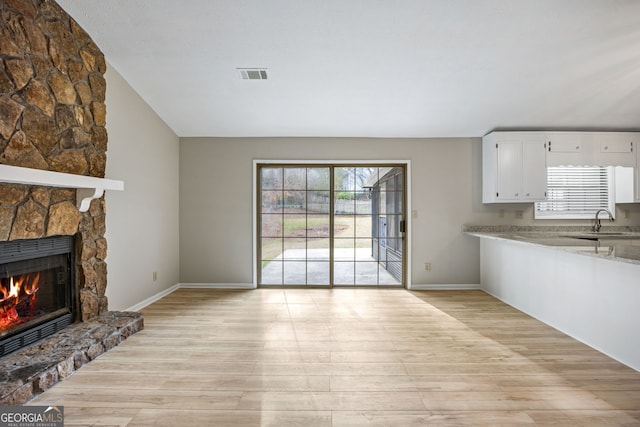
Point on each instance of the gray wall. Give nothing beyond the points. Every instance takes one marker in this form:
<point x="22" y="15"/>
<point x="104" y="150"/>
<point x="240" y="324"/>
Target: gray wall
<point x="142" y="220"/>
<point x="216" y="201"/>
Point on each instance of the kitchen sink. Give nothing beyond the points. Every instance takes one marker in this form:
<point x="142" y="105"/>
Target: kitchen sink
<point x="592" y="235"/>
<point x="607" y="234"/>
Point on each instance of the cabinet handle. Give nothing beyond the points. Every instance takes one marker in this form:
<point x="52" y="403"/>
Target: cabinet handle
<point x="606" y="147"/>
<point x="577" y="147"/>
<point x="527" y="194"/>
<point x="516" y="194"/>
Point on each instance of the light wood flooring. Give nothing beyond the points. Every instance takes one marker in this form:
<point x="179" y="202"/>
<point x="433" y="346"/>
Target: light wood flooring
<point x="346" y="357"/>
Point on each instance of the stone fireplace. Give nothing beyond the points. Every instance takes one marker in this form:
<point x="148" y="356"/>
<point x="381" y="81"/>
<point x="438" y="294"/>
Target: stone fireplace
<point x="53" y="118"/>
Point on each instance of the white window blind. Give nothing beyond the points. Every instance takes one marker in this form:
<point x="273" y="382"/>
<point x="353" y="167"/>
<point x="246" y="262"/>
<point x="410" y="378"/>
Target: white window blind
<point x="576" y="192"/>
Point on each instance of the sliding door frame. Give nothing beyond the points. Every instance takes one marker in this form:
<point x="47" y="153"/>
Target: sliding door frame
<point x="326" y="163"/>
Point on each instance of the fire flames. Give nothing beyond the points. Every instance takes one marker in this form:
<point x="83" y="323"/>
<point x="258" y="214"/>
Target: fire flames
<point x="17" y="298"/>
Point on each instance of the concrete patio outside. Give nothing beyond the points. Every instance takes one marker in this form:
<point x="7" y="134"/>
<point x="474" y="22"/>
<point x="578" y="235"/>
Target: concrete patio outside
<point x="352" y="267"/>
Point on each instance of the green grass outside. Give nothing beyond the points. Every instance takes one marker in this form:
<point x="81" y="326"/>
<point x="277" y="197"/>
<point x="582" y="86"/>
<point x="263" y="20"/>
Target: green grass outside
<point x="295" y="227"/>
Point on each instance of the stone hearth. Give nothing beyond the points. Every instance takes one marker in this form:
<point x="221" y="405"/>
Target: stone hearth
<point x="34" y="369"/>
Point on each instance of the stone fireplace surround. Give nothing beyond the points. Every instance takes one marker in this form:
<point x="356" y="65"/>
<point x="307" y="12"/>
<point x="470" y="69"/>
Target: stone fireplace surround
<point x="53" y="117"/>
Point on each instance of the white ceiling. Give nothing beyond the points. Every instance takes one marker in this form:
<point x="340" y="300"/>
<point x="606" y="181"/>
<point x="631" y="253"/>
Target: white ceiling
<point x="375" y="68"/>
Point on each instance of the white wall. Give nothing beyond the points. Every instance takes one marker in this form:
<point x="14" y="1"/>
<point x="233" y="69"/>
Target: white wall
<point x="142" y="221"/>
<point x="216" y="201"/>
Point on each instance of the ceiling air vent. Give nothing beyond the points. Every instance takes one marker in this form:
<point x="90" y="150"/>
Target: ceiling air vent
<point x="253" y="73"/>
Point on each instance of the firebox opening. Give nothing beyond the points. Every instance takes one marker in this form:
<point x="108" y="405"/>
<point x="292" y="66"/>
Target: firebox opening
<point x="37" y="290"/>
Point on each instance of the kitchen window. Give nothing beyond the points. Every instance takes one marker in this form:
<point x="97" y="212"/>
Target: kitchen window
<point x="577" y="192"/>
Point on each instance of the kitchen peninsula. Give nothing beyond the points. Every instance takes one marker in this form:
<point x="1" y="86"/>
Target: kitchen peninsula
<point x="584" y="284"/>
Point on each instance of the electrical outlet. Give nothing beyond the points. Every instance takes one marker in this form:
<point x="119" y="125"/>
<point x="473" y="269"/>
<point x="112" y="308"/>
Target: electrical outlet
<point x="414" y="214"/>
<point x="155" y="276"/>
<point x="519" y="214"/>
<point x="427" y="266"/>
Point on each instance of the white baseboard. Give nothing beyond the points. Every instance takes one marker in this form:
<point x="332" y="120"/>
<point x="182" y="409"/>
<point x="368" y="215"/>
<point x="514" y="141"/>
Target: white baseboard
<point x="217" y="286"/>
<point x="153" y="298"/>
<point x="446" y="287"/>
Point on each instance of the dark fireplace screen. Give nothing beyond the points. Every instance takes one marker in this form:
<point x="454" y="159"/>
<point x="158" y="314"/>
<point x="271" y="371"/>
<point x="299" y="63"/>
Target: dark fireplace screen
<point x="36" y="290"/>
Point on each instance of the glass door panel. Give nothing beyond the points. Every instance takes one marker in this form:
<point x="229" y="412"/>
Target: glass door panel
<point x="363" y="225"/>
<point x="295" y="226"/>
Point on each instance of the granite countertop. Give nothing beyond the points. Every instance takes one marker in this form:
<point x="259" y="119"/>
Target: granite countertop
<point x="618" y="243"/>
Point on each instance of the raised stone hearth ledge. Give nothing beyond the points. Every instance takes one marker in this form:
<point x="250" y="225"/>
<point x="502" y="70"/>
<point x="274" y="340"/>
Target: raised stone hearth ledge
<point x="34" y="369"/>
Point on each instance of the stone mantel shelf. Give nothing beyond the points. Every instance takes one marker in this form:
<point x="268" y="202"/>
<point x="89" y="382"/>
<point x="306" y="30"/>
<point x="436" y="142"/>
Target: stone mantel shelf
<point x="88" y="187"/>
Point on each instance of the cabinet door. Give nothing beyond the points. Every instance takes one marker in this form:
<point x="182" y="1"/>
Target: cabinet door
<point x="616" y="149"/>
<point x="569" y="149"/>
<point x="565" y="143"/>
<point x="509" y="171"/>
<point x="534" y="171"/>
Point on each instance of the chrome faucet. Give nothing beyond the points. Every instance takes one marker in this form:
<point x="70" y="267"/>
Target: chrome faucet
<point x="596" y="224"/>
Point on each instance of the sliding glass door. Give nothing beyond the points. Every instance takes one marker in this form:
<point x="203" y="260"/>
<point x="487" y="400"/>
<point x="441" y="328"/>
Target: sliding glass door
<point x="331" y="225"/>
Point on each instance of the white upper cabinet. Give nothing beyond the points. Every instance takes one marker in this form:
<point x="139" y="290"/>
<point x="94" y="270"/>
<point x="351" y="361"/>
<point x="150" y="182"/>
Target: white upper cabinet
<point x="514" y="164"/>
<point x="514" y="167"/>
<point x="592" y="148"/>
